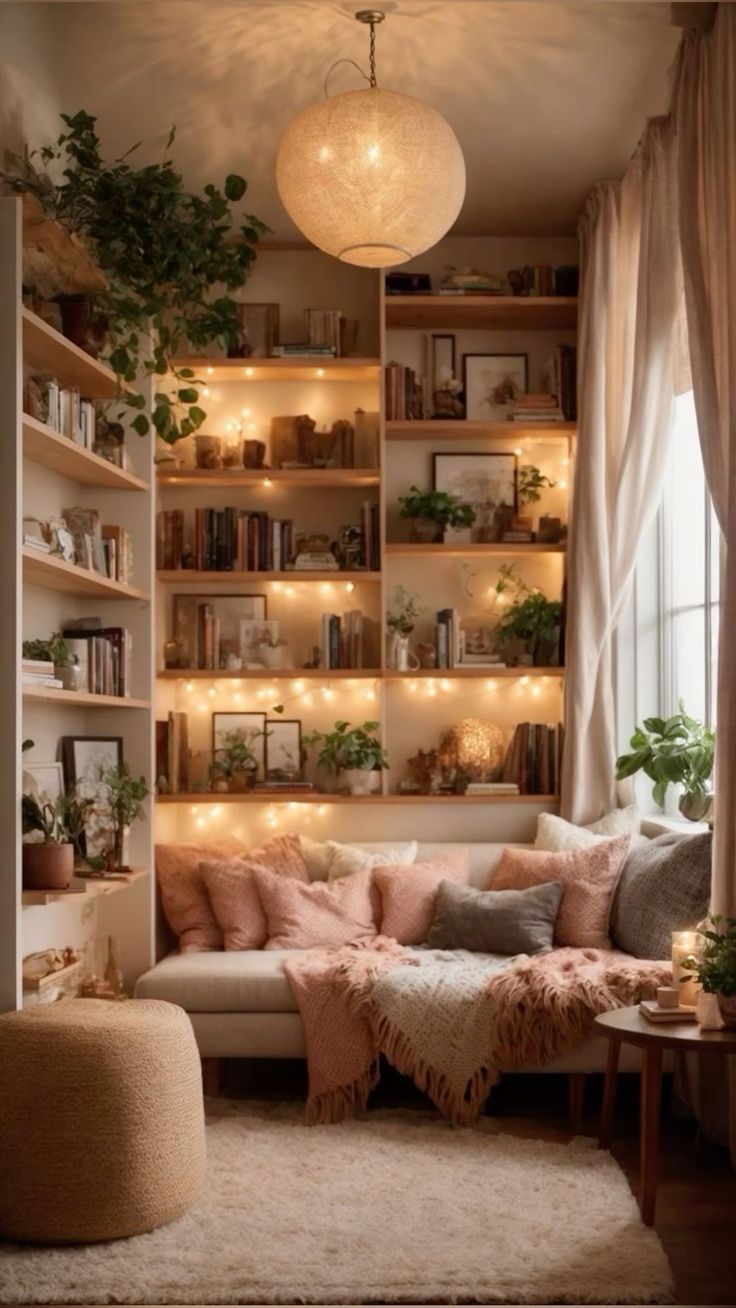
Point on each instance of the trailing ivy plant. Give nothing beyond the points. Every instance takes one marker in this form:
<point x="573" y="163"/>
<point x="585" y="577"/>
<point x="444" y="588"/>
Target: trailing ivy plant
<point x="167" y="253"/>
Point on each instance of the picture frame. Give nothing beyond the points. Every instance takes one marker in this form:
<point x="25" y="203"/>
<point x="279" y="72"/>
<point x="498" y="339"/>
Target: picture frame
<point x="484" y="480"/>
<point x="227" y="609"/>
<point x="442" y="356"/>
<point x="85" y="759"/>
<point x="247" y="724"/>
<point x="284" y="750"/>
<point x="43" y="781"/>
<point x="251" y="633"/>
<point x="491" y="383"/>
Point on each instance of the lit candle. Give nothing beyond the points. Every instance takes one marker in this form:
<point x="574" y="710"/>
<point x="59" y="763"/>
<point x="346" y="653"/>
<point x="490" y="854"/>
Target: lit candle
<point x="685" y="944"/>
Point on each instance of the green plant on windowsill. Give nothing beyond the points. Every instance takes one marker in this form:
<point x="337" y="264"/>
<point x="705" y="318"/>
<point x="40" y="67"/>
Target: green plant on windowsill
<point x="354" y="754"/>
<point x="432" y="512"/>
<point x="677" y="750"/>
<point x="715" y="966"/>
<point x="164" y="251"/>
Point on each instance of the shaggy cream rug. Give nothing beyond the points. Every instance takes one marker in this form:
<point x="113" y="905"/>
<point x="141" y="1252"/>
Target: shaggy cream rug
<point x="396" y="1207"/>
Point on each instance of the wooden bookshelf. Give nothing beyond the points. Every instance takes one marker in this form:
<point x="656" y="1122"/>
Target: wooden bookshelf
<point x="83" y="887"/>
<point x="449" y="551"/>
<point x="46" y="350"/>
<point x="185" y="577"/>
<point x="52" y="450"/>
<point x="80" y="698"/>
<point x="296" y="369"/>
<point x="463" y="429"/>
<point x="312" y="797"/>
<point x="270" y="674"/>
<point x="315" y="478"/>
<point x="489" y="674"/>
<point x="482" y="312"/>
<point x="54" y="573"/>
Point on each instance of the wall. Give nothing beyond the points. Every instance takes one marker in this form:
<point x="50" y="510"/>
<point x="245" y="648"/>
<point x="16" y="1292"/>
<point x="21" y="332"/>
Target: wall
<point x="30" y="97"/>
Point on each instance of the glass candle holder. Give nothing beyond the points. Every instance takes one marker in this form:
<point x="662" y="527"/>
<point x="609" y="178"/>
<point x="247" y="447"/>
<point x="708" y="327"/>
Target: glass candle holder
<point x="231" y="452"/>
<point x="684" y="945"/>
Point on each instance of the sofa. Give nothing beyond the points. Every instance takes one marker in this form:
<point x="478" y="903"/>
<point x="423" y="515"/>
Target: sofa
<point x="241" y="1006"/>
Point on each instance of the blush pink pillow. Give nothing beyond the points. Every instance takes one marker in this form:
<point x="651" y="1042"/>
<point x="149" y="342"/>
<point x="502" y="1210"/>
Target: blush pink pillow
<point x="184" y="897"/>
<point x="588" y="878"/>
<point x="409" y="893"/>
<point x="232" y="889"/>
<point x="321" y="914"/>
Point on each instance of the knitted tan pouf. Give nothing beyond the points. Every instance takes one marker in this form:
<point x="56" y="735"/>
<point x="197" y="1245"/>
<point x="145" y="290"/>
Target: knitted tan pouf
<point x="101" y="1119"/>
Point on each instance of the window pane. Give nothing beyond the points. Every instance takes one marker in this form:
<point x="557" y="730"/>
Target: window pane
<point x="688" y="660"/>
<point x="686" y="509"/>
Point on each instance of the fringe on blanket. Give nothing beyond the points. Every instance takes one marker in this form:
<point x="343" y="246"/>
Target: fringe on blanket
<point x="462" y="1108"/>
<point x="343" y="1102"/>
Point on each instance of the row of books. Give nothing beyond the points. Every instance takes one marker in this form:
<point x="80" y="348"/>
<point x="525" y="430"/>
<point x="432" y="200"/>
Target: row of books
<point x="566" y="381"/>
<point x="403" y="393"/>
<point x="341" y="639"/>
<point x="104" y="655"/>
<point x="543" y="279"/>
<point x="325" y="328"/>
<point x="68" y="414"/>
<point x="452" y="645"/>
<point x="533" y="758"/>
<point x="100" y="547"/>
<point x="172" y="754"/>
<point x="225" y="540"/>
<point x="370" y="524"/>
<point x="39" y="672"/>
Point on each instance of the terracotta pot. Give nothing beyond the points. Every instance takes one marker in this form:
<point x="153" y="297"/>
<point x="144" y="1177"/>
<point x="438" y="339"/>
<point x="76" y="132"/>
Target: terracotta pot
<point x="425" y="531"/>
<point x="242" y="779"/>
<point x="47" y="867"/>
<point x="727" y="1006"/>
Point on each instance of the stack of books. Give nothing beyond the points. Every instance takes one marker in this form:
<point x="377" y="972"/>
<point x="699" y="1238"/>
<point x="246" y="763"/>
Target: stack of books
<point x="469" y="281"/>
<point x="324" y="328"/>
<point x="403" y="393"/>
<point x="492" y="788"/>
<point x="652" y="1011"/>
<point x="104" y="655"/>
<point x="303" y="350"/>
<point x="341" y="639"/>
<point x="533" y="758"/>
<point x="39" y="672"/>
<point x="536" y="408"/>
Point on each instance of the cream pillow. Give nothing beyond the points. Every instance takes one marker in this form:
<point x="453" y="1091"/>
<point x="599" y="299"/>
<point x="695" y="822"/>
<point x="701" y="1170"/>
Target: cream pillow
<point x="556" y="835"/>
<point x="317" y="854"/>
<point x="344" y="860"/>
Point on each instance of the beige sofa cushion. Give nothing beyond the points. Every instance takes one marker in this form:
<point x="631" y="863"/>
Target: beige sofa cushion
<point x="238" y="981"/>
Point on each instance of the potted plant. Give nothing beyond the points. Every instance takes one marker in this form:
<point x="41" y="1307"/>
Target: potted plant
<point x="534" y="621"/>
<point x="715" y="967"/>
<point x="54" y="828"/>
<point x="530" y="484"/>
<point x="432" y="512"/>
<point x="352" y="754"/>
<point x="675" y="750"/>
<point x="400" y="623"/>
<point x="126" y="795"/>
<point x="235" y="765"/>
<point x="271" y="651"/>
<point x="56" y="650"/>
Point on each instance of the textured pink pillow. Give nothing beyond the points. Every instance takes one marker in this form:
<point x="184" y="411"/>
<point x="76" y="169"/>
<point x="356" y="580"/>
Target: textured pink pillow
<point x="409" y="893"/>
<point x="184" y="898"/>
<point x="588" y="878"/>
<point x="321" y="914"/>
<point x="234" y="894"/>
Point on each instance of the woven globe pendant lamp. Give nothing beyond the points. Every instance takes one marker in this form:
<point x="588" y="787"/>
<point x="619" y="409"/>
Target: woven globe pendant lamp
<point x="372" y="177"/>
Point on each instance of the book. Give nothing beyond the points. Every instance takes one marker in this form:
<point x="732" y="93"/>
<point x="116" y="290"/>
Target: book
<point x="651" y="1010"/>
<point x="492" y="788"/>
<point x="30" y="679"/>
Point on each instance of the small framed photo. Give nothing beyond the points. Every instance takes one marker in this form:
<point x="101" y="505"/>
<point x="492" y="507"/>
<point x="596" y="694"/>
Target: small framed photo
<point x="485" y="481"/>
<point x="193" y="613"/>
<point x="43" y="781"/>
<point x="492" y="382"/>
<point x="86" y="760"/>
<point x="253" y="636"/>
<point x="248" y="727"/>
<point x="284" y="750"/>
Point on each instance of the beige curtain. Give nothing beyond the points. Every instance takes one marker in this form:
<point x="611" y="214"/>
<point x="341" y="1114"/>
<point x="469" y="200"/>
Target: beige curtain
<point x="630" y="290"/>
<point x="705" y="114"/>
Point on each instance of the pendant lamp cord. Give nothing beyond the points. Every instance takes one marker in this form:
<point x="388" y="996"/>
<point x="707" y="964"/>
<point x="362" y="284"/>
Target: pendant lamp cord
<point x="372" y="55"/>
<point x="369" y="78"/>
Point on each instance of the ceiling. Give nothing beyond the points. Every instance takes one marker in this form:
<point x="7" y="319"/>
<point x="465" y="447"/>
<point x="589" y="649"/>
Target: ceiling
<point x="545" y="96"/>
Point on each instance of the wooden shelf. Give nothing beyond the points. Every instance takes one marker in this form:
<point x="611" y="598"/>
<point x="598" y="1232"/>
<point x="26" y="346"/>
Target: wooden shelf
<point x="281" y="370"/>
<point x="450" y="551"/>
<point x="46" y="350"/>
<point x="447" y="674"/>
<point x="83" y="888"/>
<point x="270" y="674"/>
<point x="321" y="478"/>
<point x="440" y="429"/>
<point x="310" y="797"/>
<point x="53" y="573"/>
<point x="184" y="577"/>
<point x="43" y="445"/>
<point x="482" y="312"/>
<point x="80" y="698"/>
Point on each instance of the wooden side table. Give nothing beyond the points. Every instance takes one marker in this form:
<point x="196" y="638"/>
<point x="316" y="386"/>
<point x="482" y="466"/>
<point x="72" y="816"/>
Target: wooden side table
<point x="628" y="1026"/>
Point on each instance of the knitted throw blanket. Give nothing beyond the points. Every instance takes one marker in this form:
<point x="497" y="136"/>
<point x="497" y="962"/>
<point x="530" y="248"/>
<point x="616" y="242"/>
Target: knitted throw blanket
<point x="450" y="1020"/>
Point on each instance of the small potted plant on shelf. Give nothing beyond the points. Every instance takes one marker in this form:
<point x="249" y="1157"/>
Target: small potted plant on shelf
<point x="400" y="624"/>
<point x="531" y="620"/>
<point x="675" y="750"/>
<point x="430" y="513"/>
<point x="530" y="484"/>
<point x="54" y="829"/>
<point x="126" y="795"/>
<point x="235" y="765"/>
<point x="56" y="650"/>
<point x="354" y="755"/>
<point x="715" y="967"/>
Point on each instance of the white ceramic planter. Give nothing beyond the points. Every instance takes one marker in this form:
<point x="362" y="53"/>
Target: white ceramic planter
<point x="361" y="781"/>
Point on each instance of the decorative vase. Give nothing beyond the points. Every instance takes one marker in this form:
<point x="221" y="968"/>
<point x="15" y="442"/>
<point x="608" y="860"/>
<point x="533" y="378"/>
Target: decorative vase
<point x="254" y="452"/>
<point x="272" y="656"/>
<point x="361" y="781"/>
<point x="70" y="675"/>
<point x="696" y="807"/>
<point x="727" y="1006"/>
<point x="47" y="867"/>
<point x="400" y="657"/>
<point x="426" y="531"/>
<point x="78" y="325"/>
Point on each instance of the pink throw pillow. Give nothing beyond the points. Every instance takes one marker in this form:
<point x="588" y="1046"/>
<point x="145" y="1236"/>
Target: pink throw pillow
<point x="184" y="898"/>
<point x="588" y="878"/>
<point x="320" y="914"/>
<point x="409" y="893"/>
<point x="234" y="894"/>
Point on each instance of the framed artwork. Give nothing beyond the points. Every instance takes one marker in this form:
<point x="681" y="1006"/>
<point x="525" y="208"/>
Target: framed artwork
<point x="284" y="750"/>
<point x="442" y="360"/>
<point x="85" y="760"/>
<point x="44" y="781"/>
<point x="249" y="727"/>
<point x="483" y="480"/>
<point x="228" y="610"/>
<point x="252" y="636"/>
<point x="491" y="383"/>
<point x="259" y="329"/>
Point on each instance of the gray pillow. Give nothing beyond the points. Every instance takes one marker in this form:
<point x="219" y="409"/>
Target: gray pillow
<point x="495" y="921"/>
<point x="664" y="887"/>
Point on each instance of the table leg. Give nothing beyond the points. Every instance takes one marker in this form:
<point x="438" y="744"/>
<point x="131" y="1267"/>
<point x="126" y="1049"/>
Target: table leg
<point x="651" y="1095"/>
<point x="608" y="1106"/>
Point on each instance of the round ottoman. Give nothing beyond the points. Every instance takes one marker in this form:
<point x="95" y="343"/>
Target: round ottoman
<point x="101" y="1119"/>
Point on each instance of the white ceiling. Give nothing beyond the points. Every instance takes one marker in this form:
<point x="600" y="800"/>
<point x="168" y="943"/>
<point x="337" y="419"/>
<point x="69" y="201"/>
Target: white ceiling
<point x="545" y="96"/>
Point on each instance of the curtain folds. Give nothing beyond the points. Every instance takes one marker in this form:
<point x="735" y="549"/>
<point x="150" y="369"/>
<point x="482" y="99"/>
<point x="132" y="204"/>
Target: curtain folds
<point x="631" y="286"/>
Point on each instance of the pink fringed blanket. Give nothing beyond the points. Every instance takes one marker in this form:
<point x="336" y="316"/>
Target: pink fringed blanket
<point x="450" y="1020"/>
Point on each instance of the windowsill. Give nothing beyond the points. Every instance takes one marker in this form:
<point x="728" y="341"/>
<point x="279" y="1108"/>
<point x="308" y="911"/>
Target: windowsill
<point x="662" y="825"/>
